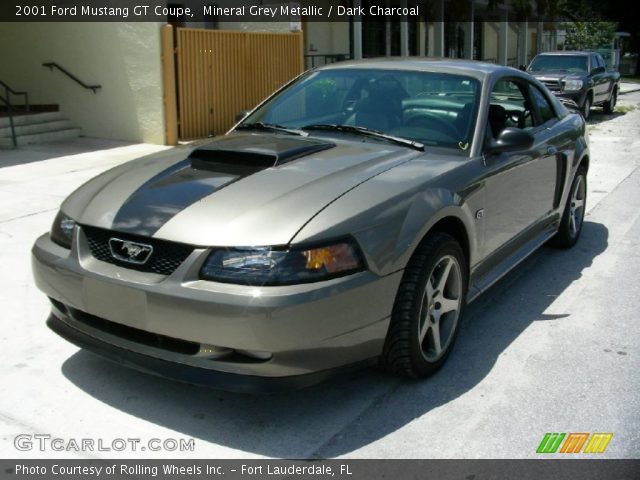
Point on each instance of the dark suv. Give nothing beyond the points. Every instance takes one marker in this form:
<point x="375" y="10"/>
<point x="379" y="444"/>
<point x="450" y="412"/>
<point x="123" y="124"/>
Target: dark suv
<point x="578" y="76"/>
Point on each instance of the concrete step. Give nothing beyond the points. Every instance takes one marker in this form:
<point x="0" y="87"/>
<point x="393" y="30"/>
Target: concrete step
<point x="31" y="119"/>
<point x="43" y="137"/>
<point x="33" y="128"/>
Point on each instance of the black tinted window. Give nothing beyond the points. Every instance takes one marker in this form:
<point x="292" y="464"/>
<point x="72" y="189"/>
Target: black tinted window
<point x="596" y="61"/>
<point x="544" y="108"/>
<point x="562" y="63"/>
<point x="508" y="107"/>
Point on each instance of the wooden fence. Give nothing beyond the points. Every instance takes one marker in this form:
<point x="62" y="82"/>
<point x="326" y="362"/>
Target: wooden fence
<point x="220" y="73"/>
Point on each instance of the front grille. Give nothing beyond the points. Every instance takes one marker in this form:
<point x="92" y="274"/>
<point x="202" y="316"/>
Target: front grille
<point x="150" y="339"/>
<point x="136" y="335"/>
<point x="553" y="85"/>
<point x="165" y="258"/>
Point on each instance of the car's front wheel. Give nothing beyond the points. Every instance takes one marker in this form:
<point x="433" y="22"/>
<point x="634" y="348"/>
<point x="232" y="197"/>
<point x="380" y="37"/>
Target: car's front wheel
<point x="428" y="308"/>
<point x="573" y="216"/>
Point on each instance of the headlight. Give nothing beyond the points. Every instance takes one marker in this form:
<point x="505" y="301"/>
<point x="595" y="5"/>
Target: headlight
<point x="62" y="230"/>
<point x="279" y="266"/>
<point x="571" y="85"/>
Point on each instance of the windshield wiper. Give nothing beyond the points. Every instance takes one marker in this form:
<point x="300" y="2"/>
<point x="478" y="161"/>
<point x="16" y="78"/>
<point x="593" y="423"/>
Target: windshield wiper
<point x="270" y="127"/>
<point x="366" y="131"/>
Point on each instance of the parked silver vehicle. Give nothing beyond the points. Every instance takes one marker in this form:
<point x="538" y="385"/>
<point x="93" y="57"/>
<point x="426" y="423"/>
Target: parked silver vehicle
<point x="346" y="221"/>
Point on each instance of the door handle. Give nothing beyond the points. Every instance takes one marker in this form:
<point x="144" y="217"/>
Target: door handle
<point x="552" y="150"/>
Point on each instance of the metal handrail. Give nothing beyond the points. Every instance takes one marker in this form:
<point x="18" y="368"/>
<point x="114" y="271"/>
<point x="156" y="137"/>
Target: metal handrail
<point x="8" y="91"/>
<point x="7" y="102"/>
<point x="51" y="66"/>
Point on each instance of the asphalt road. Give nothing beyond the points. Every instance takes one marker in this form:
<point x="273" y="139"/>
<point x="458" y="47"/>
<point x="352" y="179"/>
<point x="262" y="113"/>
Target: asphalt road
<point x="554" y="347"/>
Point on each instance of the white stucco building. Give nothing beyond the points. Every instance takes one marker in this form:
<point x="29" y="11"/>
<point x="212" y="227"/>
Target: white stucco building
<point x="125" y="58"/>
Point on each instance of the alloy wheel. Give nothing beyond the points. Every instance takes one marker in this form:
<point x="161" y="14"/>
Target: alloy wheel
<point x="576" y="208"/>
<point x="440" y="308"/>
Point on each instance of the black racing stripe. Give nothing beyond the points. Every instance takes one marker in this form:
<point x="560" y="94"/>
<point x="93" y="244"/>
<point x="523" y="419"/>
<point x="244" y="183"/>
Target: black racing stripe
<point x="207" y="169"/>
<point x="167" y="194"/>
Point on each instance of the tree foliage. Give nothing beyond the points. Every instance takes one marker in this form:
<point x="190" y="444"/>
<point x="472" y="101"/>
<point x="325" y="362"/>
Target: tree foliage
<point x="551" y="10"/>
<point x="581" y="34"/>
<point x="588" y="35"/>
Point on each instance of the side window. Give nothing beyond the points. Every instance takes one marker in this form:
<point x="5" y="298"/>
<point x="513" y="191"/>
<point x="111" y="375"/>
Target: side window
<point x="509" y="107"/>
<point x="544" y="108"/>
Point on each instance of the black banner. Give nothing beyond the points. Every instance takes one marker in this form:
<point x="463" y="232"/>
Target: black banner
<point x="201" y="11"/>
<point x="569" y="469"/>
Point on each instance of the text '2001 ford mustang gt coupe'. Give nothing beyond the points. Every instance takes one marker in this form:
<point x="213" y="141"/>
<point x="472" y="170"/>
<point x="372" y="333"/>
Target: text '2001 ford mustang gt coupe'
<point x="346" y="221"/>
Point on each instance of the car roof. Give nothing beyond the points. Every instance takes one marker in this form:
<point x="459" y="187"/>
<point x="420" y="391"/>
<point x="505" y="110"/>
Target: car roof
<point x="471" y="68"/>
<point x="568" y="52"/>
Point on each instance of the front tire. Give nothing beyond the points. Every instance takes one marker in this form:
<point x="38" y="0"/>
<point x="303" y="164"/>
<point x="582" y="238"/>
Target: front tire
<point x="428" y="308"/>
<point x="573" y="216"/>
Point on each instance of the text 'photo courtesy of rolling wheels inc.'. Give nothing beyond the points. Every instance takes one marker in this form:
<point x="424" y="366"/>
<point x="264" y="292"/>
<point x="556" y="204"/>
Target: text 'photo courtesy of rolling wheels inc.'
<point x="333" y="239"/>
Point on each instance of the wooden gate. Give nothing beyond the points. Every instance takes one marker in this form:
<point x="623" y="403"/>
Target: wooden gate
<point x="220" y="73"/>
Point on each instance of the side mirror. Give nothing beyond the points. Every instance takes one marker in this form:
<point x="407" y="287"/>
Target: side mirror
<point x="242" y="115"/>
<point x="523" y="68"/>
<point x="511" y="140"/>
<point x="598" y="70"/>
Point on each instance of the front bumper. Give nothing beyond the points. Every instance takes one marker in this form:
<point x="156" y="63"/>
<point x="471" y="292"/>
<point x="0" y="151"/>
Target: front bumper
<point x="190" y="374"/>
<point x="304" y="333"/>
<point x="577" y="96"/>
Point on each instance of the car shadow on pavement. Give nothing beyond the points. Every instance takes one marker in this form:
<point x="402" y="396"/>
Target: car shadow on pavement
<point x="339" y="416"/>
<point x="597" y="117"/>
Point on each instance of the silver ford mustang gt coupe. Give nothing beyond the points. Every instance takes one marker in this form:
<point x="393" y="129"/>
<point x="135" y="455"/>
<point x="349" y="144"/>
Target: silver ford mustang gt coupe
<point x="345" y="221"/>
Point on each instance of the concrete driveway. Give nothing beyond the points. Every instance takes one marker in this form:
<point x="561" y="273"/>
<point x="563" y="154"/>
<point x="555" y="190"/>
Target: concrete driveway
<point x="554" y="347"/>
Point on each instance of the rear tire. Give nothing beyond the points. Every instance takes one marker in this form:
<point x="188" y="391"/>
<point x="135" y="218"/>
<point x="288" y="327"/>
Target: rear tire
<point x="428" y="308"/>
<point x="573" y="216"/>
<point x="610" y="104"/>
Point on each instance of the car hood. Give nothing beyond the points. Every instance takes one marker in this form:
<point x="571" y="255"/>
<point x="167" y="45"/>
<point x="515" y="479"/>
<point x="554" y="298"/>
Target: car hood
<point x="244" y="189"/>
<point x="555" y="75"/>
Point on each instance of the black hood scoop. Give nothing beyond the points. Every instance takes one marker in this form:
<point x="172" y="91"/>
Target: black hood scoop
<point x="253" y="152"/>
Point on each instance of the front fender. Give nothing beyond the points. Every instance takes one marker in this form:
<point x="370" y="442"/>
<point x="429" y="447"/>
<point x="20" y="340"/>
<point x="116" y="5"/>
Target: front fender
<point x="427" y="210"/>
<point x="407" y="205"/>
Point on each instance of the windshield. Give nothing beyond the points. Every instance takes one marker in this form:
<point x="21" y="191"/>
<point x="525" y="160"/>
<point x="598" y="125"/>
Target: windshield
<point x="430" y="108"/>
<point x="563" y="63"/>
